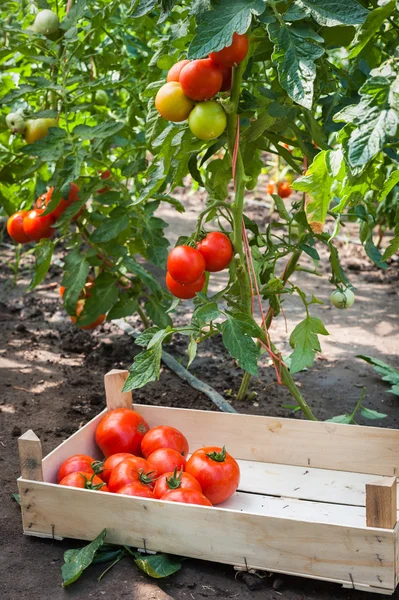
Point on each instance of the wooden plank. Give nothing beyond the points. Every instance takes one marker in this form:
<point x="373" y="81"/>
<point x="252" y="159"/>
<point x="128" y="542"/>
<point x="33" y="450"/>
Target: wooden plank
<point x="363" y="556"/>
<point x="286" y="441"/>
<point x="381" y="503"/>
<point x="114" y="381"/>
<point x="30" y="456"/>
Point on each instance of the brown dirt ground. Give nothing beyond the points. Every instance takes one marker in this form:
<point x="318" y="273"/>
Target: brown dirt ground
<point x="52" y="381"/>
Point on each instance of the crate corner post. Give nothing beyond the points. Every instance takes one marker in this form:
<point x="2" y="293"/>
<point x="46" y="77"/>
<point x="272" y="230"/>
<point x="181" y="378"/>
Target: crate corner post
<point x="114" y="381"/>
<point x="30" y="456"/>
<point x="381" y="503"/>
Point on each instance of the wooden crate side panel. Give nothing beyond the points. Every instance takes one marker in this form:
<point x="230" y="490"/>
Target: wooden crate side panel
<point x="343" y="554"/>
<point x="286" y="441"/>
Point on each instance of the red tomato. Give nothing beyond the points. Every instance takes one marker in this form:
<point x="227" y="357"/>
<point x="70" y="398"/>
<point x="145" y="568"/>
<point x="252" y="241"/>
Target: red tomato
<point x="185" y="292"/>
<point x="174" y="481"/>
<point x="271" y="187"/>
<point x="284" y="189"/>
<point x="15" y="227"/>
<point x="185" y="264"/>
<point x="63" y="204"/>
<point x="174" y="72"/>
<point x="79" y="309"/>
<point x="217" y="251"/>
<point x="85" y="293"/>
<point x="36" y="226"/>
<point x="75" y="463"/>
<point x="129" y="470"/>
<point x="187" y="497"/>
<point x="104" y="175"/>
<point x="85" y="480"/>
<point x="227" y="73"/>
<point x="165" y="460"/>
<point x="121" y="430"/>
<point x="201" y="79"/>
<point x="111" y="462"/>
<point x="164" y="436"/>
<point x="233" y="54"/>
<point x="136" y="488"/>
<point x="216" y="471"/>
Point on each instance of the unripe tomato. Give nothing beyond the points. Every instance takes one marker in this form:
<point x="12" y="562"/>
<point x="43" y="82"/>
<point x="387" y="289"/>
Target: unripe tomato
<point x="36" y="129"/>
<point x="284" y="189"/>
<point x="207" y="120"/>
<point x="172" y="103"/>
<point x="217" y="251"/>
<point x="15" y="227"/>
<point x="46" y="22"/>
<point x="101" y="98"/>
<point x="36" y="226"/>
<point x="184" y="291"/>
<point x="16" y="122"/>
<point x="86" y="480"/>
<point x="121" y="430"/>
<point x="201" y="79"/>
<point x="186" y="497"/>
<point x="174" y="72"/>
<point x="227" y="73"/>
<point x="271" y="187"/>
<point x="342" y="299"/>
<point x="79" y="309"/>
<point x="185" y="264"/>
<point x="233" y="54"/>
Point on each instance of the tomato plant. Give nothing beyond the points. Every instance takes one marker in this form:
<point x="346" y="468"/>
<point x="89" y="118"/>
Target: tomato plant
<point x="216" y="471"/>
<point x="121" y="430"/>
<point x="173" y="481"/>
<point x="164" y="436"/>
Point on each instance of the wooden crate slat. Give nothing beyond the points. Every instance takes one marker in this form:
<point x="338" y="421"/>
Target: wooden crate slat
<point x="338" y="553"/>
<point x="286" y="441"/>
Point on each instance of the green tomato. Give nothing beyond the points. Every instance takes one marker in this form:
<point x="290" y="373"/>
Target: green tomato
<point x="46" y="22"/>
<point x="342" y="299"/>
<point x="16" y="122"/>
<point x="207" y="120"/>
<point x="101" y="98"/>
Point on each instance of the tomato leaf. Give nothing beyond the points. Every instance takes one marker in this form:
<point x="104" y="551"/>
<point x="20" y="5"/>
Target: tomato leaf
<point x="50" y="148"/>
<point x="43" y="253"/>
<point x="156" y="310"/>
<point x="387" y="372"/>
<point x="280" y="206"/>
<point x="216" y="27"/>
<point x="346" y="419"/>
<point x="305" y="342"/>
<point x="110" y="228"/>
<point x="240" y="345"/>
<point x="206" y="313"/>
<point x="335" y="12"/>
<point x="101" y="131"/>
<point x="392" y="248"/>
<point x="367" y="413"/>
<point x="76" y="561"/>
<point x="146" y="368"/>
<point x="370" y="27"/>
<point x="375" y="255"/>
<point x="103" y="295"/>
<point x="158" y="565"/>
<point x="157" y="244"/>
<point x="192" y="351"/>
<point x="125" y="307"/>
<point x="134" y="267"/>
<point x="75" y="276"/>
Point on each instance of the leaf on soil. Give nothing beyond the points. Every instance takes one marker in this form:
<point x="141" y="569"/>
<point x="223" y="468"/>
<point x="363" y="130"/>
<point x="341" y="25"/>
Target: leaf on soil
<point x="367" y="413"/>
<point x="305" y="342"/>
<point x="387" y="372"/>
<point x="76" y="561"/>
<point x="158" y="565"/>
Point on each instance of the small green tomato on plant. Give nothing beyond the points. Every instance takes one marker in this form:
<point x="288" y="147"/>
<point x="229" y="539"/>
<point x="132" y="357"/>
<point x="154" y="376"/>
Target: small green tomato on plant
<point x="342" y="298"/>
<point x="46" y="23"/>
<point x="15" y="122"/>
<point x="101" y="98"/>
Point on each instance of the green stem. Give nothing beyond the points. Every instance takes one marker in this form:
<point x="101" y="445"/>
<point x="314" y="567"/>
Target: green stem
<point x="143" y="317"/>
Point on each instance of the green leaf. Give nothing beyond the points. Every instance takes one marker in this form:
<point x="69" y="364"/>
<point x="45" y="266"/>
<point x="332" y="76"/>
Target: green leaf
<point x="305" y="342"/>
<point x="394" y="390"/>
<point x="157" y="244"/>
<point x="392" y="248"/>
<point x="76" y="561"/>
<point x="335" y="12"/>
<point x="280" y="206"/>
<point x="102" y="131"/>
<point x="17" y="498"/>
<point x="206" y="313"/>
<point x="145" y="337"/>
<point x="193" y="168"/>
<point x="216" y="27"/>
<point x="103" y="295"/>
<point x="192" y="351"/>
<point x="125" y="307"/>
<point x="43" y="252"/>
<point x="346" y="419"/>
<point x="146" y="368"/>
<point x="170" y="200"/>
<point x="110" y="228"/>
<point x="367" y="413"/>
<point x="50" y="148"/>
<point x="158" y="565"/>
<point x="375" y="255"/>
<point x="310" y="251"/>
<point x="240" y="345"/>
<point x="156" y="310"/>
<point x="142" y="7"/>
<point x="389" y="184"/>
<point x="134" y="267"/>
<point x="387" y="372"/>
<point x="75" y="276"/>
<point x="338" y="272"/>
<point x="75" y="13"/>
<point x="295" y="53"/>
<point x="370" y="27"/>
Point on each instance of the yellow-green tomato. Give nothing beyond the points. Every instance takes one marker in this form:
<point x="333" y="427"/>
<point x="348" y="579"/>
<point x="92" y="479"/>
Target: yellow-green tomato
<point x="15" y="122"/>
<point x="342" y="298"/>
<point x="101" y="98"/>
<point x="37" y="129"/>
<point x="172" y="103"/>
<point x="207" y="120"/>
<point x="46" y="22"/>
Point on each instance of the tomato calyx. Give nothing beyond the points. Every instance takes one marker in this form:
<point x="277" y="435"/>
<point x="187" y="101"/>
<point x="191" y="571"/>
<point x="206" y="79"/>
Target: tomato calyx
<point x="146" y="478"/>
<point x="97" y="466"/>
<point x="174" y="481"/>
<point x="218" y="456"/>
<point x="90" y="485"/>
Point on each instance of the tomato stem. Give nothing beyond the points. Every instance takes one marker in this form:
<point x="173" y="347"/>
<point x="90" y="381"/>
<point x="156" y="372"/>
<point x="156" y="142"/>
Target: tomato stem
<point x="218" y="456"/>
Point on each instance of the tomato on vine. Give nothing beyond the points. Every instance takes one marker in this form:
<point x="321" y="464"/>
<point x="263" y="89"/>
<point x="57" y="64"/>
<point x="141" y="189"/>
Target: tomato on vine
<point x="185" y="264"/>
<point x="164" y="436"/>
<point x="46" y="22"/>
<point x="15" y="227"/>
<point x="79" y="309"/>
<point x="174" y="72"/>
<point x="173" y="481"/>
<point x="172" y="103"/>
<point x="284" y="189"/>
<point x="121" y="430"/>
<point x="101" y="98"/>
<point x="271" y="187"/>
<point x="217" y="251"/>
<point x="201" y="79"/>
<point x="186" y="497"/>
<point x="233" y="54"/>
<point x="15" y="122"/>
<point x="342" y="298"/>
<point x="36" y="226"/>
<point x="207" y="120"/>
<point x="227" y="74"/>
<point x="36" y="129"/>
<point x="45" y="199"/>
<point x="216" y="471"/>
<point x="184" y="291"/>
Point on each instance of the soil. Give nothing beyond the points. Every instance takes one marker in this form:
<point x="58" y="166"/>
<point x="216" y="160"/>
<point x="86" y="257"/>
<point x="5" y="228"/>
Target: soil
<point x="52" y="382"/>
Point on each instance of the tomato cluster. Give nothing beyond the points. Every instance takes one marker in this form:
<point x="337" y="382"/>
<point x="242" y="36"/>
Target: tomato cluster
<point x="151" y="463"/>
<point x="283" y="188"/>
<point x="186" y="265"/>
<point x="199" y="81"/>
<point x="81" y="303"/>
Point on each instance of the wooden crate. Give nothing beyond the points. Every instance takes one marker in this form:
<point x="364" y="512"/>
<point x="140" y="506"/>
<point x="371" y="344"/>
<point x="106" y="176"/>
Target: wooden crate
<point x="317" y="500"/>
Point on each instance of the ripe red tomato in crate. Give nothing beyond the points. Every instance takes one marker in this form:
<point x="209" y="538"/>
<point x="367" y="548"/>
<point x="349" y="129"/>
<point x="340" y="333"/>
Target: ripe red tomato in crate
<point x="187" y="497"/>
<point x="76" y="463"/>
<point x="175" y="481"/>
<point x="136" y="488"/>
<point x="110" y="463"/>
<point x="216" y="471"/>
<point x="130" y="470"/>
<point x="121" y="430"/>
<point x="165" y="460"/>
<point x="164" y="436"/>
<point x="86" y="480"/>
